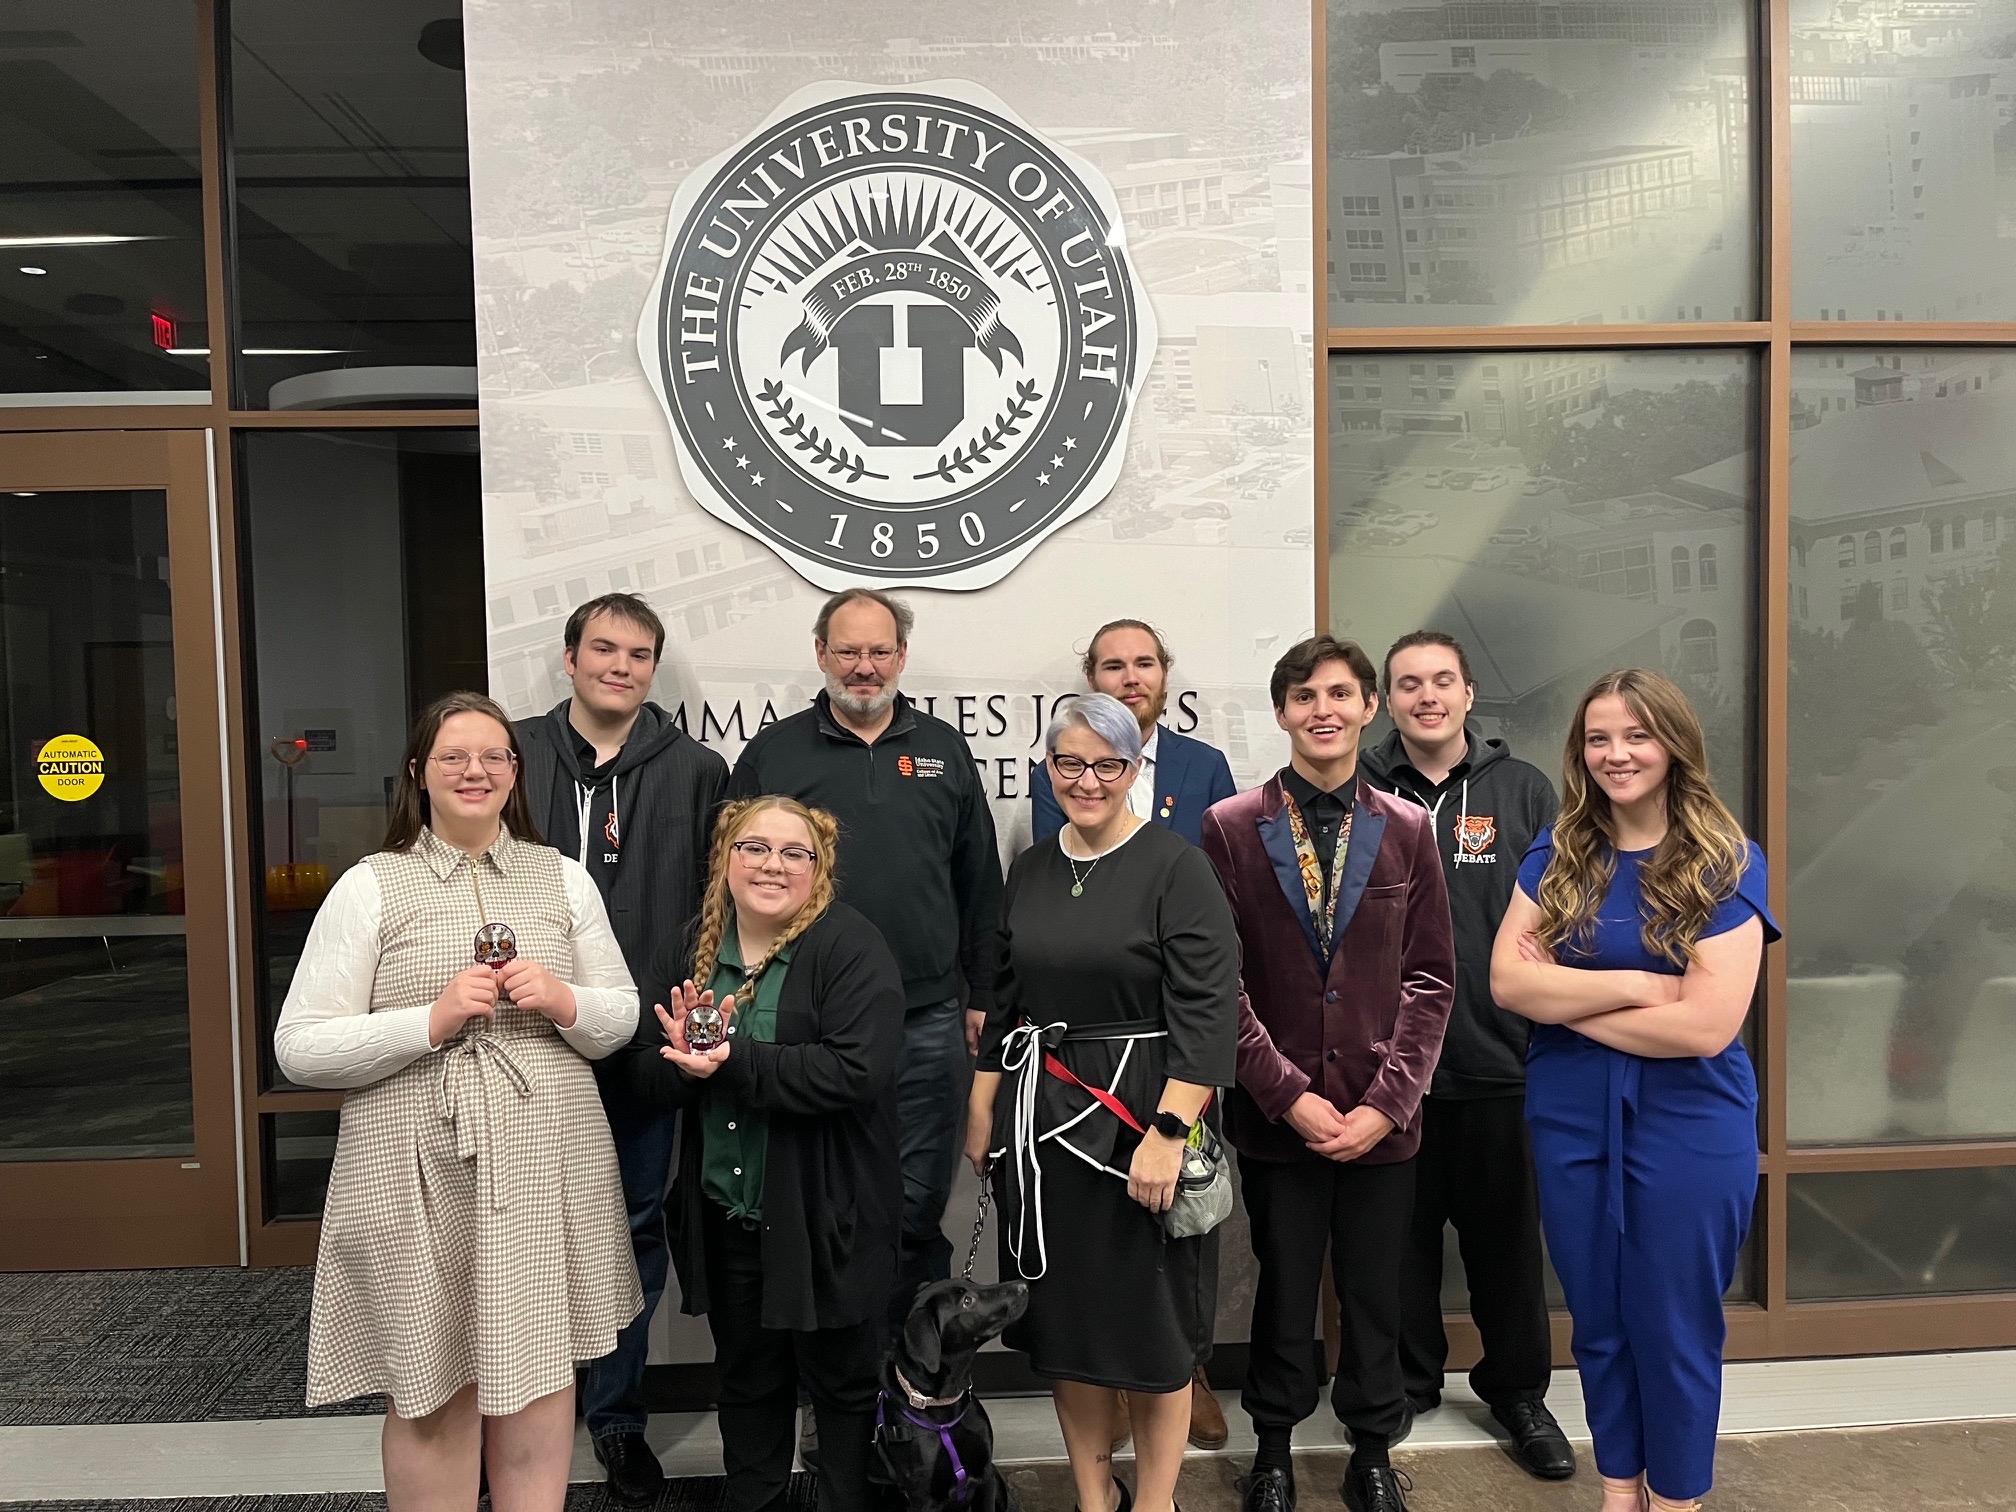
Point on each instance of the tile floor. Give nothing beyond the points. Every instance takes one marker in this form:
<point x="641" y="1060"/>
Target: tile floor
<point x="1761" y="1401"/>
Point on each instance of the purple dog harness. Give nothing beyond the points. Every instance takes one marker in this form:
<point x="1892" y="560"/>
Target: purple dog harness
<point x="962" y="1484"/>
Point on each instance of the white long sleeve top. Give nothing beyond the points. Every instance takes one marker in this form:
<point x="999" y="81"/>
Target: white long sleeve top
<point x="329" y="1037"/>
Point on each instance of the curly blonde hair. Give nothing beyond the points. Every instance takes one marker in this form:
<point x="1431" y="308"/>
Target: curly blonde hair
<point x="1694" y="869"/>
<point x="717" y="907"/>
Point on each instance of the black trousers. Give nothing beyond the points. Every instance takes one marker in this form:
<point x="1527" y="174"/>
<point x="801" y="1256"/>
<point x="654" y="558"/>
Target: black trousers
<point x="759" y="1370"/>
<point x="1475" y="1170"/>
<point x="1298" y="1209"/>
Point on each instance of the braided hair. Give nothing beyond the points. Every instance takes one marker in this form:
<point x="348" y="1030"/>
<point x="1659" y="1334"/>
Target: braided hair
<point x="717" y="906"/>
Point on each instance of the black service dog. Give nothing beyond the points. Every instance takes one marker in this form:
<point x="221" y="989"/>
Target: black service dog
<point x="930" y="1428"/>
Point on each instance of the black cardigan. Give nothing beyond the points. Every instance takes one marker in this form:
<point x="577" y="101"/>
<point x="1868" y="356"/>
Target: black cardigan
<point x="833" y="1184"/>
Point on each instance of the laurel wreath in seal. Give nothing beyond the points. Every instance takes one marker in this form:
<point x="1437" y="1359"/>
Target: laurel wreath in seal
<point x="806" y="438"/>
<point x="992" y="438"/>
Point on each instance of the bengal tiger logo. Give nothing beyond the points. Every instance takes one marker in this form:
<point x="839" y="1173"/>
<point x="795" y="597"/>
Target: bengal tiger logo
<point x="1476" y="832"/>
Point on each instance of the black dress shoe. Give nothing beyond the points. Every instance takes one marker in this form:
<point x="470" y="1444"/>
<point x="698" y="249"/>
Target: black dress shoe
<point x="1369" y="1488"/>
<point x="1271" y="1490"/>
<point x="635" y="1476"/>
<point x="1537" y="1440"/>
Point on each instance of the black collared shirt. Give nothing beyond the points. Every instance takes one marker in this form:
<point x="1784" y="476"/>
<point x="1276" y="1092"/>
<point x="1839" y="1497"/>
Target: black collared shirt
<point x="1323" y="812"/>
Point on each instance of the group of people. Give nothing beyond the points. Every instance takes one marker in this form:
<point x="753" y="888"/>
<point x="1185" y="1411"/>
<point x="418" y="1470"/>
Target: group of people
<point x="1399" y="986"/>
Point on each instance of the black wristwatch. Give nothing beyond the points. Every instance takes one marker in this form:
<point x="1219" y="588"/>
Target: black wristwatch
<point x="1171" y="1126"/>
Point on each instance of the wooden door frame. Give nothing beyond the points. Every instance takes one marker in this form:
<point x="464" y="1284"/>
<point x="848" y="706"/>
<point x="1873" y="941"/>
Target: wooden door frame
<point x="150" y="1212"/>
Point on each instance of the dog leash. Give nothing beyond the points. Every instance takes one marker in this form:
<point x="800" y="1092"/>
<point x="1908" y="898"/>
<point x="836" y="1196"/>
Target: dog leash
<point x="980" y="1222"/>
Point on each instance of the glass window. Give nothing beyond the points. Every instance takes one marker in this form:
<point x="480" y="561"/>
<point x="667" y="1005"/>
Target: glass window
<point x="352" y="160"/>
<point x="365" y="560"/>
<point x="1901" y="894"/>
<point x="1683" y="569"/>
<point x="300" y="1149"/>
<point x="1857" y="241"/>
<point x="1900" y="1233"/>
<point x="101" y="226"/>
<point x="94" y="979"/>
<point x="1872" y="548"/>
<point x="1705" y="558"/>
<point x="1547" y="547"/>
<point x="1899" y="546"/>
<point x="1478" y="130"/>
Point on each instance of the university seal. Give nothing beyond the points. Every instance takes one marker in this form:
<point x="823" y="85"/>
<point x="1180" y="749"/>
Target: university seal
<point x="897" y="335"/>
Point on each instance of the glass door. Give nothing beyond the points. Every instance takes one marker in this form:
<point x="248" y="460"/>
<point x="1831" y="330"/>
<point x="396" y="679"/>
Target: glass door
<point x="119" y="1145"/>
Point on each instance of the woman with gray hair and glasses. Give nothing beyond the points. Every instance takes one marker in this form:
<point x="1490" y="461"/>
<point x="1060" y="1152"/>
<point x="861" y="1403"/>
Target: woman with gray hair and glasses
<point x="1115" y="1016"/>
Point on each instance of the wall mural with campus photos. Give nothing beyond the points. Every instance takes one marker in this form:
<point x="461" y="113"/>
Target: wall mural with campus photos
<point x="1011" y="310"/>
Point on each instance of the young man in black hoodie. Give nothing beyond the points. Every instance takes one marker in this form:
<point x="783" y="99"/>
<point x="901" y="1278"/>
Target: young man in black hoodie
<point x="1476" y="1163"/>
<point x="615" y="784"/>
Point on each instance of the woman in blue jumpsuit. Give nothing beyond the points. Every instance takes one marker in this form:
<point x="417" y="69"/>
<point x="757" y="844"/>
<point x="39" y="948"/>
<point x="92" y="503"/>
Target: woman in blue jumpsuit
<point x="1633" y="942"/>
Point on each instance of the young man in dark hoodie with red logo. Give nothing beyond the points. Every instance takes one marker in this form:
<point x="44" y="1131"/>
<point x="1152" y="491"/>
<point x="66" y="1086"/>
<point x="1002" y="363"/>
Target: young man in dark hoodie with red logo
<point x="1475" y="1168"/>
<point x="614" y="783"/>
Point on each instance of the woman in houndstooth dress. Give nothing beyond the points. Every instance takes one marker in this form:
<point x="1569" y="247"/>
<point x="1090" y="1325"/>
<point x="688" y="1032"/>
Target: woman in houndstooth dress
<point x="474" y="1243"/>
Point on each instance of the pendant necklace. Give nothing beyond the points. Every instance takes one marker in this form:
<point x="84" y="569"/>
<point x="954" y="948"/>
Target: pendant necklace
<point x="1079" y="879"/>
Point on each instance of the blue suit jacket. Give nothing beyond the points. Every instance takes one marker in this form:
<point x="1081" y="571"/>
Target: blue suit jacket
<point x="1190" y="776"/>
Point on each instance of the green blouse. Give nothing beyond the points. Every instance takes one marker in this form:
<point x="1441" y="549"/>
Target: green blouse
<point x="735" y="1141"/>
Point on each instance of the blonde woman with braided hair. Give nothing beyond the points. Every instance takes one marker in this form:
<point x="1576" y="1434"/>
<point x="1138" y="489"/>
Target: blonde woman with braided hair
<point x="787" y="1207"/>
<point x="1633" y="943"/>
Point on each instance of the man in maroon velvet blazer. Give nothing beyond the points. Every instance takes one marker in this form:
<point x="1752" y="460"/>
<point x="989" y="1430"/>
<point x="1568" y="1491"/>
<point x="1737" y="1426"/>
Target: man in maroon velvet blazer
<point x="1347" y="978"/>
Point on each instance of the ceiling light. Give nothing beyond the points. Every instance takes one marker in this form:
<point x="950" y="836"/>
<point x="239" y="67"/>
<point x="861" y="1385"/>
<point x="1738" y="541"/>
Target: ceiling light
<point x="72" y="241"/>
<point x="35" y="272"/>
<point x="263" y="351"/>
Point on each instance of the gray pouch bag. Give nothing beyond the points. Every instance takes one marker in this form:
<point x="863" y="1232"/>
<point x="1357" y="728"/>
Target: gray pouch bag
<point x="1203" y="1188"/>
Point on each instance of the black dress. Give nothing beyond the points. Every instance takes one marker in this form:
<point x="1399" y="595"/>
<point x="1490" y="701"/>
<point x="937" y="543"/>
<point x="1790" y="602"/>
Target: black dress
<point x="1136" y="981"/>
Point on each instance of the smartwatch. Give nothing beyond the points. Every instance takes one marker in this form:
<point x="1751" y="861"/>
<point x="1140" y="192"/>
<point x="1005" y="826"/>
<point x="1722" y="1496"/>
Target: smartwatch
<point x="1171" y="1126"/>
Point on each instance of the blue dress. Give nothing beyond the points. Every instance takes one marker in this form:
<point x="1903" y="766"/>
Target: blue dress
<point x="1648" y="1174"/>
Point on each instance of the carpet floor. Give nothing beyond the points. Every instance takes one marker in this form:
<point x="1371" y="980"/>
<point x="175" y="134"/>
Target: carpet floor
<point x="163" y="1346"/>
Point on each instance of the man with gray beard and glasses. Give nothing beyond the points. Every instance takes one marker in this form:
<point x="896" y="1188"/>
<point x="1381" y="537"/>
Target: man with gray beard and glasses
<point x="917" y="856"/>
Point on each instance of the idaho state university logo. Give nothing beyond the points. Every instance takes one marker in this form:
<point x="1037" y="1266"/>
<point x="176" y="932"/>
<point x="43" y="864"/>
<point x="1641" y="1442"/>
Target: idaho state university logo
<point x="897" y="335"/>
<point x="1476" y="832"/>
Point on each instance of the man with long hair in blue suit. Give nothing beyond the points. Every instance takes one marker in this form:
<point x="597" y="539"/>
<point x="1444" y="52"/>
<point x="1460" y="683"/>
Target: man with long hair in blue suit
<point x="1180" y="776"/>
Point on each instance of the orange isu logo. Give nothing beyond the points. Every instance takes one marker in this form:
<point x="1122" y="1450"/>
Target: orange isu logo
<point x="906" y="766"/>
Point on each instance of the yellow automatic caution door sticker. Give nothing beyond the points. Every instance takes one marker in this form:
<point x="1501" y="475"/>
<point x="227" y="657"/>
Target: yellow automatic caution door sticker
<point x="71" y="768"/>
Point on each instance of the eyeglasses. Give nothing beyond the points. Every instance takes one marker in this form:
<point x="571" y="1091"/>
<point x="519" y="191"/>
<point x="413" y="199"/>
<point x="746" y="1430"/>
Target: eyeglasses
<point x="1106" y="769"/>
<point x="795" y="858"/>
<point x="496" y="761"/>
<point x="881" y="656"/>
